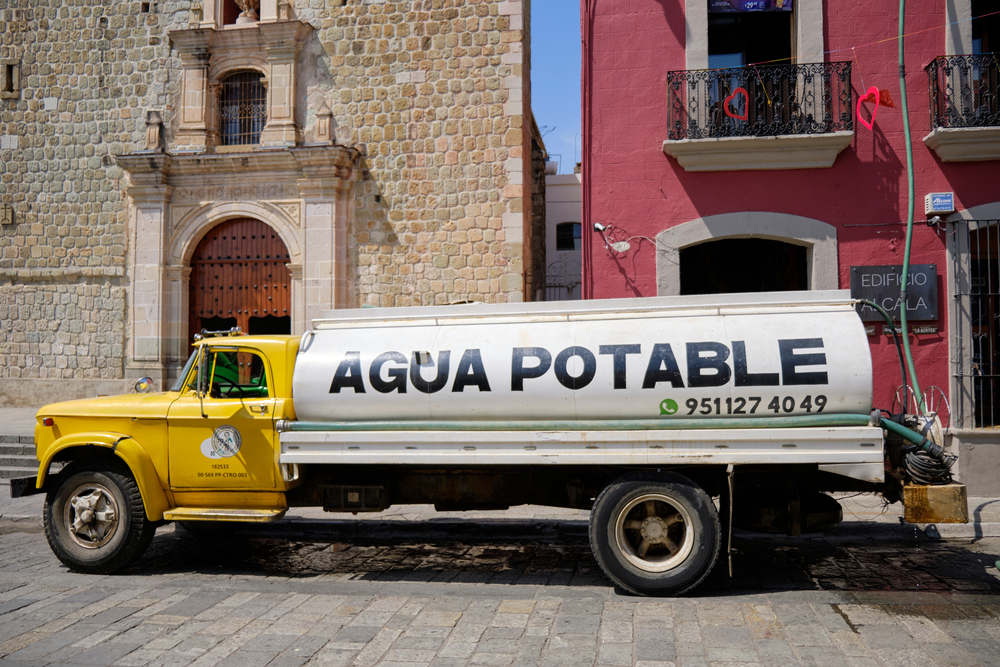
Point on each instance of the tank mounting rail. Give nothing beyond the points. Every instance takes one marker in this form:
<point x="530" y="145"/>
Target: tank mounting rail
<point x="794" y="421"/>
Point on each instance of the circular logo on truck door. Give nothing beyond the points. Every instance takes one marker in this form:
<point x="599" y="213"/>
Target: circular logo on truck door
<point x="224" y="443"/>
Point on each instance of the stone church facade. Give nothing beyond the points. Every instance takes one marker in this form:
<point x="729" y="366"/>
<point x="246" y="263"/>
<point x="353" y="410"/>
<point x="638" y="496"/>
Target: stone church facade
<point x="382" y="148"/>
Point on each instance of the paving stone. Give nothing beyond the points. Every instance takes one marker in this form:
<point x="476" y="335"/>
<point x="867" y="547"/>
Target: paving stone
<point x="615" y="654"/>
<point x="577" y="624"/>
<point x="247" y="659"/>
<point x="268" y="643"/>
<point x="654" y="651"/>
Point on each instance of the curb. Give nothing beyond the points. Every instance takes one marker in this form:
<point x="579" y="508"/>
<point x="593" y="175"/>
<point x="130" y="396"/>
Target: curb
<point x="855" y="530"/>
<point x="14" y="523"/>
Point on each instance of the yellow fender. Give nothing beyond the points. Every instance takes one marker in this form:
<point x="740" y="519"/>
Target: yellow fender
<point x="154" y="499"/>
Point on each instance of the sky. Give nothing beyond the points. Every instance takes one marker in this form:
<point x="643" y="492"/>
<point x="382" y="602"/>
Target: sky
<point x="555" y="78"/>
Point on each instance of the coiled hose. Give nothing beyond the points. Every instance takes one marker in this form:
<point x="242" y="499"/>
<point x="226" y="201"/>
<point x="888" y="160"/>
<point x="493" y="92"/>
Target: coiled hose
<point x="925" y="469"/>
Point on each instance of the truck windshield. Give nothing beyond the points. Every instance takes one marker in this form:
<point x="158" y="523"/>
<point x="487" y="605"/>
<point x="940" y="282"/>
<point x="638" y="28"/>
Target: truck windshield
<point x="179" y="383"/>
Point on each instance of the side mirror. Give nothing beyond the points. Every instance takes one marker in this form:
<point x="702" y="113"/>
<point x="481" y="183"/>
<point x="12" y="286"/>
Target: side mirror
<point x="144" y="386"/>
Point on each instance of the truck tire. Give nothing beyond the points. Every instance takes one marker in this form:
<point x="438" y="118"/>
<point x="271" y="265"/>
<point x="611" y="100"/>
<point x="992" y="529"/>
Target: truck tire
<point x="94" y="518"/>
<point x="655" y="534"/>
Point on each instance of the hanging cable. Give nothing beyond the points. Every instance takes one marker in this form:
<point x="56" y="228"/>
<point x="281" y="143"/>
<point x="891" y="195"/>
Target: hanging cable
<point x="899" y="350"/>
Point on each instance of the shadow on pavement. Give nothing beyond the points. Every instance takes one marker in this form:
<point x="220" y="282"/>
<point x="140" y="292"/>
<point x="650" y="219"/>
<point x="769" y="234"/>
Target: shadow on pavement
<point x="557" y="553"/>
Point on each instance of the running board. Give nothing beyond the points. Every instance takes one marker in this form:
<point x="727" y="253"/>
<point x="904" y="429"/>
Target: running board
<point x="223" y="514"/>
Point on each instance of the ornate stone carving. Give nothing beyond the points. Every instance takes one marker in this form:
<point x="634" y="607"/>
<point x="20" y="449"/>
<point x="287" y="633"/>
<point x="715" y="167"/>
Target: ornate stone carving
<point x="249" y="13"/>
<point x="154" y="136"/>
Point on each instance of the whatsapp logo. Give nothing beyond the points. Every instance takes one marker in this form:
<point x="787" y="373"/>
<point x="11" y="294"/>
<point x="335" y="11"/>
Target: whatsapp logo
<point x="668" y="407"/>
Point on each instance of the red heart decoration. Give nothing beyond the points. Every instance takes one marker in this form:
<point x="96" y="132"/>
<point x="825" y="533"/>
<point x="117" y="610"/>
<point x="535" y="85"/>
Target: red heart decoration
<point x="725" y="104"/>
<point x="872" y="94"/>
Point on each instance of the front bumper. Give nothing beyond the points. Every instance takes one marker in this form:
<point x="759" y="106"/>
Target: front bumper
<point x="24" y="486"/>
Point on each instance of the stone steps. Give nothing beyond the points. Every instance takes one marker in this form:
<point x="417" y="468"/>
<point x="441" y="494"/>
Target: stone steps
<point x="17" y="456"/>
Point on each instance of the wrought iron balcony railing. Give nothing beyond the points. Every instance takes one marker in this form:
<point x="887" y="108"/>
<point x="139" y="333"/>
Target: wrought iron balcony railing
<point x="965" y="90"/>
<point x="761" y="101"/>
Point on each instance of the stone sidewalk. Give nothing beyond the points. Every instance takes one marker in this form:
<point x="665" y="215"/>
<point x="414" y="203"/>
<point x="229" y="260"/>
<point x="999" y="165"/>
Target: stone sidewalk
<point x="283" y="601"/>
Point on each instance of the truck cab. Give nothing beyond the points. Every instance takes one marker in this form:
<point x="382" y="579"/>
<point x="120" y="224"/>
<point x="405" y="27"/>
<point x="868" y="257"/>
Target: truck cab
<point x="206" y="449"/>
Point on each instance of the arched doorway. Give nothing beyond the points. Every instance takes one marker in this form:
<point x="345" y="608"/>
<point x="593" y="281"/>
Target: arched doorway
<point x="743" y="265"/>
<point x="240" y="277"/>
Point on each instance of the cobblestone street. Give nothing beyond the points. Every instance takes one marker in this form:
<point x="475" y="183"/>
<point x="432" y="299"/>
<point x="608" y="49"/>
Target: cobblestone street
<point x="493" y="593"/>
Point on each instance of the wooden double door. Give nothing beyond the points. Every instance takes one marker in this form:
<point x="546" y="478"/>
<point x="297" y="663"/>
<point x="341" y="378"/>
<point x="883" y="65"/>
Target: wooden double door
<point x="240" y="277"/>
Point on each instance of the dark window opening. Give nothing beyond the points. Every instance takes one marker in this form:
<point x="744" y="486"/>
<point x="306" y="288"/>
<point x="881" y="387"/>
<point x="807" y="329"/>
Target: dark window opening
<point x="270" y="325"/>
<point x="738" y="40"/>
<point x="8" y="82"/>
<point x="217" y="323"/>
<point x="743" y="265"/>
<point x="985" y="29"/>
<point x="230" y="12"/>
<point x="243" y="112"/>
<point x="568" y="236"/>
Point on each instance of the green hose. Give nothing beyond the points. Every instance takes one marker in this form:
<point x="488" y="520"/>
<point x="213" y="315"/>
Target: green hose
<point x="909" y="216"/>
<point x="924" y="443"/>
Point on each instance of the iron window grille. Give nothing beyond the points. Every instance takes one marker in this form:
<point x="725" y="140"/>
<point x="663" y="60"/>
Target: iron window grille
<point x="965" y="90"/>
<point x="242" y="108"/>
<point x="977" y="329"/>
<point x="762" y="101"/>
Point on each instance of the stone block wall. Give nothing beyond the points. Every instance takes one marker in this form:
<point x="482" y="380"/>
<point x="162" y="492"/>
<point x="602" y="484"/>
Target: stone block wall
<point x="57" y="330"/>
<point x="87" y="68"/>
<point x="433" y="93"/>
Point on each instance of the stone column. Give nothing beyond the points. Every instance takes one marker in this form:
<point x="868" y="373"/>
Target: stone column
<point x="148" y="314"/>
<point x="327" y="188"/>
<point x="176" y="345"/>
<point x="299" y="323"/>
<point x="195" y="131"/>
<point x="282" y="42"/>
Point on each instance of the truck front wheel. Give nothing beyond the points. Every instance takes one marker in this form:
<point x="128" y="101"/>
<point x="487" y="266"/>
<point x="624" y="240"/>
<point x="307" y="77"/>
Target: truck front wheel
<point x="94" y="518"/>
<point x="655" y="534"/>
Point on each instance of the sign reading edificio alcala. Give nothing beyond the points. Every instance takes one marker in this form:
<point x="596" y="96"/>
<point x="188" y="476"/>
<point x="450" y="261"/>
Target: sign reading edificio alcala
<point x="882" y="285"/>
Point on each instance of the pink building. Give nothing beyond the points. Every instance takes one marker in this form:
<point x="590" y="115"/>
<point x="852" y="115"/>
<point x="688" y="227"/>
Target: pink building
<point x="729" y="150"/>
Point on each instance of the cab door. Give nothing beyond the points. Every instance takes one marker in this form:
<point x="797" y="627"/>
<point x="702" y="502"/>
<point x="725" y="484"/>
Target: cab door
<point x="223" y="437"/>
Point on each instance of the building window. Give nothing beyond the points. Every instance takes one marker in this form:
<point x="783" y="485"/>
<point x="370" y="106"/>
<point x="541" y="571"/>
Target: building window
<point x="10" y="78"/>
<point x="242" y="109"/>
<point x="738" y="40"/>
<point x="568" y="236"/>
<point x="230" y="12"/>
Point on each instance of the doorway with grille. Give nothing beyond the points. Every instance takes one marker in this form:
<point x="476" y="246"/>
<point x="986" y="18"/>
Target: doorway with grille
<point x="976" y="361"/>
<point x="240" y="277"/>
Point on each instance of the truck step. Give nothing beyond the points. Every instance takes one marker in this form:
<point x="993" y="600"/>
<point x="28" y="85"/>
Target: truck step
<point x="223" y="514"/>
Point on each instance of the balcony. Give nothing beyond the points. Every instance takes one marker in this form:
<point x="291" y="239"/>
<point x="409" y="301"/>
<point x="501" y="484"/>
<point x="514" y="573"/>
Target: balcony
<point x="965" y="107"/>
<point x="765" y="117"/>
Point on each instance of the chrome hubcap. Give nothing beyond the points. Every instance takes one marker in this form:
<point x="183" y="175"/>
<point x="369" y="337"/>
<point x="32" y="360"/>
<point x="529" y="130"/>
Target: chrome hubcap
<point x="653" y="533"/>
<point x="91" y="515"/>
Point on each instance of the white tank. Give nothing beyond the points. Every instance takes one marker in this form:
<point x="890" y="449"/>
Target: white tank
<point x="733" y="355"/>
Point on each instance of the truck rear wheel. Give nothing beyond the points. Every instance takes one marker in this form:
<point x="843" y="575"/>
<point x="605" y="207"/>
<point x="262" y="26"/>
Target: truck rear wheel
<point x="655" y="534"/>
<point x="94" y="518"/>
